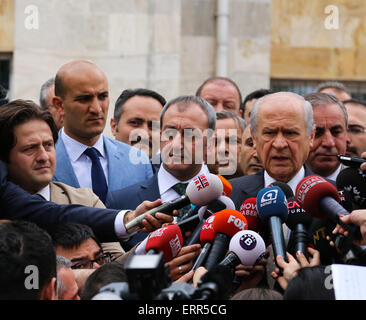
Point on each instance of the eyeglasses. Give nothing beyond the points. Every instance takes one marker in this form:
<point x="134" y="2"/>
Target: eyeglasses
<point x="356" y="129"/>
<point x="89" y="264"/>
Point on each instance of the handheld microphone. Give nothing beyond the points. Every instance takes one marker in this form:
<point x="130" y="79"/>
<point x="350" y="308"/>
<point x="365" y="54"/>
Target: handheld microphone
<point x="204" y="212"/>
<point x="272" y="207"/>
<point x="284" y="187"/>
<point x="168" y="240"/>
<point x="207" y="237"/>
<point x="353" y="180"/>
<point x="226" y="223"/>
<point x="228" y="189"/>
<point x="249" y="210"/>
<point x="246" y="247"/>
<point x="200" y="191"/>
<point x="321" y="200"/>
<point x="298" y="220"/>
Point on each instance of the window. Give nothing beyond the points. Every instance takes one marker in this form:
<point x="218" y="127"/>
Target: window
<point x="5" y="66"/>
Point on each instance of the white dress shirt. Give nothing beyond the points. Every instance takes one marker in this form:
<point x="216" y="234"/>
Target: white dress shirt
<point x="80" y="162"/>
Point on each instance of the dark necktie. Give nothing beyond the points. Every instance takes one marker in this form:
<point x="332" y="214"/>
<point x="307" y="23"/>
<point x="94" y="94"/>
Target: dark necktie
<point x="99" y="182"/>
<point x="180" y="188"/>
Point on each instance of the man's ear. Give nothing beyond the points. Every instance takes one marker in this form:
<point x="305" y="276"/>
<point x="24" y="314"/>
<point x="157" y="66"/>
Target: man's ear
<point x="49" y="290"/>
<point x="311" y="138"/>
<point x="58" y="104"/>
<point x="114" y="127"/>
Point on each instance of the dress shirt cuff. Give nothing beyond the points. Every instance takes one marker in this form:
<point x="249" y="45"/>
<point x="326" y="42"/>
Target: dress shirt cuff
<point x="120" y="228"/>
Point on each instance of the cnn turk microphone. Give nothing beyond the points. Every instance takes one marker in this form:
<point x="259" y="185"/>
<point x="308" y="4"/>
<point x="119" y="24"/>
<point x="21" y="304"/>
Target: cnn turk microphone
<point x="272" y="207"/>
<point x="321" y="199"/>
<point x="246" y="247"/>
<point x="200" y="191"/>
<point x="168" y="240"/>
<point x="226" y="223"/>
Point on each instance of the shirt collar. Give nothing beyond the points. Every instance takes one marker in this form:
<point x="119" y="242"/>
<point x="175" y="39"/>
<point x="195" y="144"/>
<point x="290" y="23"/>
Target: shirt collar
<point x="75" y="149"/>
<point x="45" y="192"/>
<point x="292" y="183"/>
<point x="167" y="180"/>
<point x="334" y="175"/>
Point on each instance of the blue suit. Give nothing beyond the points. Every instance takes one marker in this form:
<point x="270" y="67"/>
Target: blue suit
<point x="121" y="171"/>
<point x="15" y="203"/>
<point x="130" y="198"/>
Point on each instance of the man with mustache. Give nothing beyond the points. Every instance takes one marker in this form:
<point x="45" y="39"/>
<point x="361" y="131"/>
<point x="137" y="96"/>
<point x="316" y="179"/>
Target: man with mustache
<point x="86" y="158"/>
<point x="356" y="110"/>
<point x="331" y="122"/>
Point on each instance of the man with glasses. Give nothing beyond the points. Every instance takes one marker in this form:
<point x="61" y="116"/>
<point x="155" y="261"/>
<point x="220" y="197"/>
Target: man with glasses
<point x="78" y="243"/>
<point x="356" y="110"/>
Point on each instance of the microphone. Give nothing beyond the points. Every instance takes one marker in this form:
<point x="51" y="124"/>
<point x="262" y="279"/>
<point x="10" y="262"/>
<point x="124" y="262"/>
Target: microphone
<point x="272" y="207"/>
<point x="284" y="187"/>
<point x="168" y="240"/>
<point x="204" y="212"/>
<point x="207" y="237"/>
<point x="200" y="191"/>
<point x="353" y="180"/>
<point x="246" y="247"/>
<point x="320" y="198"/>
<point x="298" y="220"/>
<point x="228" y="189"/>
<point x="249" y="210"/>
<point x="226" y="223"/>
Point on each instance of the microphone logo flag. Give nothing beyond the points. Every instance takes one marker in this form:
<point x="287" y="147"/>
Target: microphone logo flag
<point x="175" y="245"/>
<point x="158" y="233"/>
<point x="248" y="242"/>
<point x="269" y="197"/>
<point x="240" y="224"/>
<point x="201" y="182"/>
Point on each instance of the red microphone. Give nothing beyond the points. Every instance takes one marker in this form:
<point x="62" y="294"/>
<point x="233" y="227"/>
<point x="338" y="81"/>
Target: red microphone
<point x="249" y="210"/>
<point x="226" y="223"/>
<point x="168" y="240"/>
<point x="207" y="237"/>
<point x="320" y="199"/>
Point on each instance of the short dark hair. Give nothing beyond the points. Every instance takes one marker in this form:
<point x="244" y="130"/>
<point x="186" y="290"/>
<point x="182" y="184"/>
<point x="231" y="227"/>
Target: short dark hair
<point x="129" y="93"/>
<point x="106" y="274"/>
<point x="355" y="101"/>
<point x="18" y="112"/>
<point x="256" y="94"/>
<point x="70" y="235"/>
<point x="24" y="244"/>
<point x="214" y="79"/>
<point x="227" y="114"/>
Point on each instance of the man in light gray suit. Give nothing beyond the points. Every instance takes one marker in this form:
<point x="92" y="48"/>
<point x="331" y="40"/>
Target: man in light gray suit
<point x="86" y="158"/>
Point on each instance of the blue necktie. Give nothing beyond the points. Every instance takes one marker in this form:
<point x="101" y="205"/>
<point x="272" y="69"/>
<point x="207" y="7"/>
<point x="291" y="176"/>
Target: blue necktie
<point x="99" y="182"/>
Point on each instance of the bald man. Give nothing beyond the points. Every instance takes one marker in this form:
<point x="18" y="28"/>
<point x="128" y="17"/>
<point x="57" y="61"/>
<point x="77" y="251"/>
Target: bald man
<point x="85" y="157"/>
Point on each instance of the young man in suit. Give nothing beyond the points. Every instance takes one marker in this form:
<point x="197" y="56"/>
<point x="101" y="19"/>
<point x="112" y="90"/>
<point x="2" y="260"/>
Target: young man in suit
<point x="87" y="158"/>
<point x="27" y="137"/>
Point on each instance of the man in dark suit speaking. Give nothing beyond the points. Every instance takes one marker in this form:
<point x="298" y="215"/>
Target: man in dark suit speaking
<point x="282" y="130"/>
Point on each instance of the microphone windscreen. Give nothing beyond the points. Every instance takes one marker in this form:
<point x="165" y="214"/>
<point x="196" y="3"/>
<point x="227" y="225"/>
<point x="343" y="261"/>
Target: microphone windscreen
<point x="208" y="233"/>
<point x="353" y="180"/>
<point x="248" y="246"/>
<point x="204" y="188"/>
<point x="311" y="190"/>
<point x="297" y="215"/>
<point x="168" y="240"/>
<point x="249" y="210"/>
<point x="229" y="222"/>
<point x="284" y="187"/>
<point x="217" y="205"/>
<point x="271" y="201"/>
<point x="228" y="189"/>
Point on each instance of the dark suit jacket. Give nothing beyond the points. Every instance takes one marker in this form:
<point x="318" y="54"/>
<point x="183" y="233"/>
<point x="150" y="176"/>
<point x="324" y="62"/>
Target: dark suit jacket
<point x="15" y="203"/>
<point x="249" y="186"/>
<point x="129" y="198"/>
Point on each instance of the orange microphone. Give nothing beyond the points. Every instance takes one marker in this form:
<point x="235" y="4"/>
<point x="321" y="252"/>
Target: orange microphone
<point x="227" y="186"/>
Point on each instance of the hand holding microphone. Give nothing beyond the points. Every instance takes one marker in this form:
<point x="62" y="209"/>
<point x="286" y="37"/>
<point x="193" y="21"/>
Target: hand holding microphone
<point x="200" y="191"/>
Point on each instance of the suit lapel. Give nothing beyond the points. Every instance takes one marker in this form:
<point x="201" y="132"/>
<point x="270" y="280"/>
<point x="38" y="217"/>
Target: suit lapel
<point x="64" y="171"/>
<point x="149" y="189"/>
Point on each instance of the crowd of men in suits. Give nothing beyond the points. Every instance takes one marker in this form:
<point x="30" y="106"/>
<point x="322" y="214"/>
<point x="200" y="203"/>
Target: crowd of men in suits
<point x="68" y="190"/>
